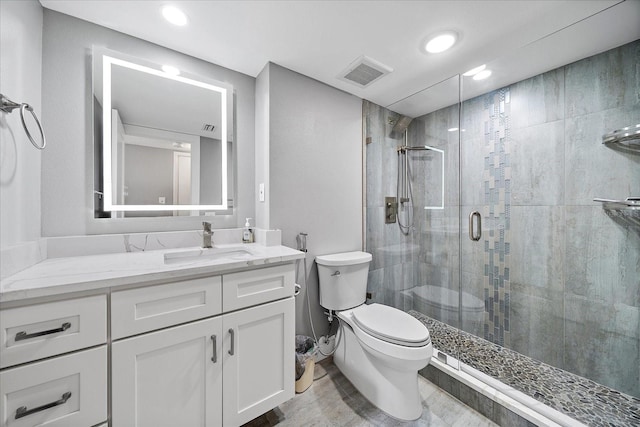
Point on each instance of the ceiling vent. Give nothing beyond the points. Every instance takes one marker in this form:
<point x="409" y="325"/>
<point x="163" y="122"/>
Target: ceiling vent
<point x="364" y="71"/>
<point x="208" y="128"/>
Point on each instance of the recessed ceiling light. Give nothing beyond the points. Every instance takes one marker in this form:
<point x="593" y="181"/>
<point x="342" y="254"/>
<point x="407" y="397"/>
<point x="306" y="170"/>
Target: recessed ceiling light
<point x="174" y="15"/>
<point x="452" y="129"/>
<point x="170" y="70"/>
<point x="482" y="75"/>
<point x="474" y="71"/>
<point x="441" y="42"/>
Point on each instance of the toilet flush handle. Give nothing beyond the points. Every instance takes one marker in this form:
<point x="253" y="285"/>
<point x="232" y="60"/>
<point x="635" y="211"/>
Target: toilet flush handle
<point x="336" y="273"/>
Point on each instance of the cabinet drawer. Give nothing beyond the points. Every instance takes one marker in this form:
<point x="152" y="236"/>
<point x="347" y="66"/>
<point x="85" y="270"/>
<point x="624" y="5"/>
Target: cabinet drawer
<point x="42" y="330"/>
<point x="254" y="287"/>
<point x="145" y="309"/>
<point x="64" y="391"/>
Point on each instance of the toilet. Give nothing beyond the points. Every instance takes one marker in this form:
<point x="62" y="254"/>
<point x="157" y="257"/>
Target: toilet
<point x="380" y="349"/>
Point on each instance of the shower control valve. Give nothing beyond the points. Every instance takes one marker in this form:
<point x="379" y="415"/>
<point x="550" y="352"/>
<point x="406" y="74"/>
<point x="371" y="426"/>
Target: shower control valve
<point x="390" y="210"/>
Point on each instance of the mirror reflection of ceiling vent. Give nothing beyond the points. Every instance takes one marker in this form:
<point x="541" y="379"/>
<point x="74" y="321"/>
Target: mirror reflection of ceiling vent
<point x="364" y="71"/>
<point x="208" y="128"/>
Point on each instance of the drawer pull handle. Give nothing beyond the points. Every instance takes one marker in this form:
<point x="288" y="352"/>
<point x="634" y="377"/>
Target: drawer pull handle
<point x="214" y="358"/>
<point x="23" y="411"/>
<point x="25" y="336"/>
<point x="231" y="349"/>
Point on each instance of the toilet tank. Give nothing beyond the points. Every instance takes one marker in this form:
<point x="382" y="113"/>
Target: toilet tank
<point x="343" y="279"/>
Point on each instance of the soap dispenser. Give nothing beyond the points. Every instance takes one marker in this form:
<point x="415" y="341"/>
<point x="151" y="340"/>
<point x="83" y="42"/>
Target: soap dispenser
<point x="247" y="232"/>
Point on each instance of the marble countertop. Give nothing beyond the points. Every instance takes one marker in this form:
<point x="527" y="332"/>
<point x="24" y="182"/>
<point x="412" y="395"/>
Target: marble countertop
<point x="58" y="276"/>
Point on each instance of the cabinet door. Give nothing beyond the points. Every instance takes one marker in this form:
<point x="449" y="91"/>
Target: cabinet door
<point x="259" y="354"/>
<point x="169" y="378"/>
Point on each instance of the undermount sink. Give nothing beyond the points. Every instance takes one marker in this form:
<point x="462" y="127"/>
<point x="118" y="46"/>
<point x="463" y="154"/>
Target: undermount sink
<point x="202" y="254"/>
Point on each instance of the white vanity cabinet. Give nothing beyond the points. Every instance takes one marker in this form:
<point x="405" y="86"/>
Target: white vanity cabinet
<point x="222" y="364"/>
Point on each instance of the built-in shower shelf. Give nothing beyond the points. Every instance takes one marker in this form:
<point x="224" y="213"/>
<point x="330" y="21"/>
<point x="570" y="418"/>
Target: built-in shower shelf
<point x="631" y="203"/>
<point x="627" y="210"/>
<point x="627" y="138"/>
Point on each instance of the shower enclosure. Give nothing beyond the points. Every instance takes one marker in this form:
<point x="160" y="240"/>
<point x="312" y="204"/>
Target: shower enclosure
<point x="501" y="237"/>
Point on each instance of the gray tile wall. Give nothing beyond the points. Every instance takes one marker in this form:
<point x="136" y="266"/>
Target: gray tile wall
<point x="559" y="278"/>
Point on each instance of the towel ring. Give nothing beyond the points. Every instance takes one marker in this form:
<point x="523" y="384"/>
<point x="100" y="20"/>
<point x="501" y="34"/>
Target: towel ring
<point x="8" y="106"/>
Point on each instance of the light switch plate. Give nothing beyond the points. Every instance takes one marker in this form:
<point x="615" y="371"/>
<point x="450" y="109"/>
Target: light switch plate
<point x="261" y="192"/>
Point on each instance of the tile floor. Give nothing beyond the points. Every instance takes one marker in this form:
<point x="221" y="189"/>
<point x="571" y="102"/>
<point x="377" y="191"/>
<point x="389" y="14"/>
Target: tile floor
<point x="333" y="401"/>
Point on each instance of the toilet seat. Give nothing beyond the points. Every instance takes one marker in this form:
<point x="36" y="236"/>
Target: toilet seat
<point x="391" y="325"/>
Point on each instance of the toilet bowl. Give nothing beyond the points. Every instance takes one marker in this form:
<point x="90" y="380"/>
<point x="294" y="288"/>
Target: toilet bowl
<point x="381" y="349"/>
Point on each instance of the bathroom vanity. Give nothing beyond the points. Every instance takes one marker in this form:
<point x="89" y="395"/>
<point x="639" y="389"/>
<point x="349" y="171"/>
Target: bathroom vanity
<point x="182" y="337"/>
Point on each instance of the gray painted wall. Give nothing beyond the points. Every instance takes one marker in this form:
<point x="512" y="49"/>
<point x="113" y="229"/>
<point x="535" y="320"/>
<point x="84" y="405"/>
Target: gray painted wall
<point x="210" y="178"/>
<point x="67" y="164"/>
<point x="315" y="172"/>
<point x="20" y="81"/>
<point x="148" y="174"/>
<point x="262" y="146"/>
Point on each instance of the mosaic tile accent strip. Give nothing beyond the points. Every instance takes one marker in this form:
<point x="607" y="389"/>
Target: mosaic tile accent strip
<point x="497" y="214"/>
<point x="582" y="399"/>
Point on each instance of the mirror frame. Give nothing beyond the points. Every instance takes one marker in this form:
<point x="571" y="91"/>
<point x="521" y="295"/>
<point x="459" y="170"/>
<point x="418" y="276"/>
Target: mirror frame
<point x="225" y="92"/>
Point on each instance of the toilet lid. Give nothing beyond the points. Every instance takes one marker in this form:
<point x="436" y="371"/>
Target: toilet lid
<point x="391" y="325"/>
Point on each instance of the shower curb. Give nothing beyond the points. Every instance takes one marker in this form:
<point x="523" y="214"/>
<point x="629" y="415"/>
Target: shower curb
<point x="501" y="407"/>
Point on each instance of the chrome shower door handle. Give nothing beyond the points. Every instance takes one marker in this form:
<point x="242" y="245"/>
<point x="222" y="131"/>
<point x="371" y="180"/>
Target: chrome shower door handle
<point x="475" y="233"/>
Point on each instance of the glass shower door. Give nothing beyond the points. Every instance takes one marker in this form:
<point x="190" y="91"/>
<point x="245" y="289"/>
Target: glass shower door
<point x="427" y="158"/>
<point x="554" y="274"/>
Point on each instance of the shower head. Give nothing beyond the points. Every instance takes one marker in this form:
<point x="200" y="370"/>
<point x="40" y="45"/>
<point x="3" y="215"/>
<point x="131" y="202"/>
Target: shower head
<point x="401" y="124"/>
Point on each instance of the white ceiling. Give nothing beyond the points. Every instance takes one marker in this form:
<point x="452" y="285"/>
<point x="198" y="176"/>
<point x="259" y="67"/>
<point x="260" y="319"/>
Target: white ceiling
<point x="321" y="39"/>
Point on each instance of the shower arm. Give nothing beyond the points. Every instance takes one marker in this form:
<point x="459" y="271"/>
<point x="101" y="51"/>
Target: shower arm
<point x="404" y="148"/>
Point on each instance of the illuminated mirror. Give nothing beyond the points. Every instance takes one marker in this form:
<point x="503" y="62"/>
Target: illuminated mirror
<point x="165" y="142"/>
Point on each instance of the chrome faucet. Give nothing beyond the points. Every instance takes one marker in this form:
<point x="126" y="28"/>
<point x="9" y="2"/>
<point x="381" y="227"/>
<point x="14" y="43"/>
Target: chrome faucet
<point x="206" y="235"/>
